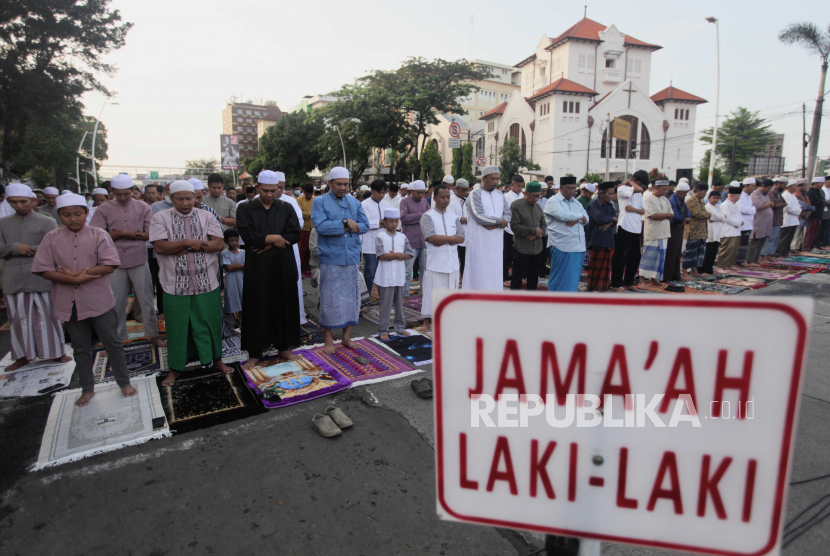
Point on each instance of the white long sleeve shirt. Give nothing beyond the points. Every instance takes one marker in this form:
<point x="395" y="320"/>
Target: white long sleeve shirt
<point x="731" y="219"/>
<point x="792" y="211"/>
<point x="747" y="212"/>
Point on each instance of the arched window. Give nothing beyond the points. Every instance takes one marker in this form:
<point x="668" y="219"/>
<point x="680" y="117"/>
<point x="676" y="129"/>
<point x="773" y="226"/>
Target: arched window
<point x="602" y="146"/>
<point x="645" y="143"/>
<point x="518" y="133"/>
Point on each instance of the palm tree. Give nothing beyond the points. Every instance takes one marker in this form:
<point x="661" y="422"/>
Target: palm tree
<point x="815" y="41"/>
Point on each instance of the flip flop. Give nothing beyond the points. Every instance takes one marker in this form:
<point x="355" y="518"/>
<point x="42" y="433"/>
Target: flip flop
<point x="422" y="387"/>
<point x="340" y="419"/>
<point x="325" y="426"/>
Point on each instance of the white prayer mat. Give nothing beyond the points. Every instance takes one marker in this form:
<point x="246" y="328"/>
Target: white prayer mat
<point x="110" y="421"/>
<point x="36" y="378"/>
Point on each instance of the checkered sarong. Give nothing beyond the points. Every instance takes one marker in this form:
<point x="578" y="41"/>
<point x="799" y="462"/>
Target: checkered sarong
<point x="599" y="270"/>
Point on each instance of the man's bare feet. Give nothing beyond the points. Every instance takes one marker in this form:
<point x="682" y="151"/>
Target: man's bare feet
<point x="159" y="341"/>
<point x="65" y="359"/>
<point x="423" y="329"/>
<point x="289" y="355"/>
<point x="84" y="399"/>
<point x="384" y="337"/>
<point x="129" y="391"/>
<point x="219" y="366"/>
<point x="643" y="282"/>
<point x="17" y="364"/>
<point x="619" y="290"/>
<point x="329" y="348"/>
<point x="655" y="282"/>
<point x="171" y="378"/>
<point x="404" y="333"/>
<point x="348" y="343"/>
<point x="250" y="364"/>
<point x="631" y="288"/>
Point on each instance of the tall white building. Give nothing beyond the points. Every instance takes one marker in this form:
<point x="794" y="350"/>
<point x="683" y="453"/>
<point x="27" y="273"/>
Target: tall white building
<point x="571" y="85"/>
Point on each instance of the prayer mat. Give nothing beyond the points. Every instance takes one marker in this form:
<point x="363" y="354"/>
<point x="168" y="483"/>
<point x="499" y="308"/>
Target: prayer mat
<point x="143" y="359"/>
<point x="306" y="273"/>
<point x="372" y="314"/>
<point x="232" y="350"/>
<point x="415" y="348"/>
<point x="311" y="333"/>
<point x="710" y="288"/>
<point x="413" y="302"/>
<point x="746" y="281"/>
<point x="808" y="259"/>
<point x="110" y="421"/>
<point x="382" y="365"/>
<point x="791" y="265"/>
<point x="135" y="330"/>
<point x="765" y="273"/>
<point x="36" y="378"/>
<point x="688" y="289"/>
<point x="278" y="382"/>
<point x="414" y="290"/>
<point x="7" y="327"/>
<point x="206" y="397"/>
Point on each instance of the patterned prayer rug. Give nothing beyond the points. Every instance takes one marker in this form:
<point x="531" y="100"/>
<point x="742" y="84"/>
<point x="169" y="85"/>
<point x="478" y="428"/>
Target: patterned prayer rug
<point x="232" y="350"/>
<point x="710" y="288"/>
<point x="413" y="302"/>
<point x="808" y="259"/>
<point x="769" y="273"/>
<point x="311" y="333"/>
<point x="745" y="281"/>
<point x="143" y="359"/>
<point x="372" y="314"/>
<point x="415" y="348"/>
<point x="278" y="382"/>
<point x="110" y="421"/>
<point x="135" y="330"/>
<point x="382" y="365"/>
<point x="205" y="398"/>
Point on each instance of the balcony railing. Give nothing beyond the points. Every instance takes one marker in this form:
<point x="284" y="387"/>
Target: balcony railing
<point x="611" y="75"/>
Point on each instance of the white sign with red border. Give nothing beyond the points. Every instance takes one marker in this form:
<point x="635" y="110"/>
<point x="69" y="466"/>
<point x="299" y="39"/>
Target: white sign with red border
<point x="455" y="129"/>
<point x="691" y="450"/>
<point x="482" y="161"/>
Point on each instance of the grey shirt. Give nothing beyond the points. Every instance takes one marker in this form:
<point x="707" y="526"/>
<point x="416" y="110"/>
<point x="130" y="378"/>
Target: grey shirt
<point x="17" y="270"/>
<point x="51" y="211"/>
<point x="475" y="203"/>
<point x="223" y="206"/>
<point x="526" y="219"/>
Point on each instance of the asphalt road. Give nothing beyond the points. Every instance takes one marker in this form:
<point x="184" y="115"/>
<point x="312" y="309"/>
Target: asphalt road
<point x="271" y="485"/>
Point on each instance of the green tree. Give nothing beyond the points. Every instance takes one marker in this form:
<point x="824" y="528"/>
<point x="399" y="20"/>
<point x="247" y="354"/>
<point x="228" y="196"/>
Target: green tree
<point x="290" y="146"/>
<point x="512" y="160"/>
<point x="467" y="163"/>
<point x="432" y="167"/>
<point x="752" y="135"/>
<point x="815" y="41"/>
<point x="41" y="176"/>
<point x="406" y="167"/>
<point x="703" y="170"/>
<point x="254" y="166"/>
<point x="211" y="163"/>
<point x="51" y="53"/>
<point x="593" y="178"/>
<point x="456" y="163"/>
<point x="656" y="174"/>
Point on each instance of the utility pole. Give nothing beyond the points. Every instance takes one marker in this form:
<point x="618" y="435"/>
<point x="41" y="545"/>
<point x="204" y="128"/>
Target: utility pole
<point x="608" y="148"/>
<point x="734" y="147"/>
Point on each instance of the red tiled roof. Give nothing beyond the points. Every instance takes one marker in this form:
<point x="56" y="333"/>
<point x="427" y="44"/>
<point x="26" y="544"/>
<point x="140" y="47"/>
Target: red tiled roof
<point x="563" y="85"/>
<point x="673" y="93"/>
<point x="497" y="111"/>
<point x="589" y="30"/>
<point x="600" y="100"/>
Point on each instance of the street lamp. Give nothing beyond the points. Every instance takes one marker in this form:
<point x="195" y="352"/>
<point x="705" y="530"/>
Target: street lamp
<point x="95" y="132"/>
<point x="717" y="99"/>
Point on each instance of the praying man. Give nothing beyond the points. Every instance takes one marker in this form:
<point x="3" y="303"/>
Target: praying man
<point x="340" y="221"/>
<point x="488" y="214"/>
<point x="270" y="228"/>
<point x="566" y="218"/>
<point x="186" y="240"/>
<point x="656" y="233"/>
<point x="51" y="196"/>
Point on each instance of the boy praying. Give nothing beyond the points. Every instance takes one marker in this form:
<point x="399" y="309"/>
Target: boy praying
<point x="78" y="260"/>
<point x="392" y="249"/>
<point x="233" y="261"/>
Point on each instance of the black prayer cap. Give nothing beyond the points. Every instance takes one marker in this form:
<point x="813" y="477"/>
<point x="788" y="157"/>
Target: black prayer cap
<point x="567" y="180"/>
<point x="735" y="190"/>
<point x="607" y="185"/>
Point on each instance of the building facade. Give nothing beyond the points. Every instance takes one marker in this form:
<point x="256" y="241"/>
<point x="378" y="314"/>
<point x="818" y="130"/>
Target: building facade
<point x="242" y="119"/>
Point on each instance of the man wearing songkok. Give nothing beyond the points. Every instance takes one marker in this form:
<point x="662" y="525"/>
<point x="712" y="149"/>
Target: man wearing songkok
<point x="566" y="219"/>
<point x="656" y="233"/>
<point x="340" y="221"/>
<point x="776" y="193"/>
<point x="677" y="227"/>
<point x="626" y="258"/>
<point x="305" y="201"/>
<point x="714" y="229"/>
<point x="696" y="231"/>
<point x="730" y="238"/>
<point x="441" y="230"/>
<point x="99" y="197"/>
<point x="128" y="223"/>
<point x="528" y="225"/>
<point x="269" y="227"/>
<point x="78" y="260"/>
<point x="187" y="241"/>
<point x="791" y="220"/>
<point x="458" y="205"/>
<point x="35" y="332"/>
<point x="815" y="197"/>
<point x="412" y="209"/>
<point x="511" y="193"/>
<point x="488" y="215"/>
<point x="762" y="221"/>
<point x="599" y="235"/>
<point x="748" y="216"/>
<point x="218" y="201"/>
<point x="373" y="206"/>
<point x="51" y="195"/>
<point x="392" y="250"/>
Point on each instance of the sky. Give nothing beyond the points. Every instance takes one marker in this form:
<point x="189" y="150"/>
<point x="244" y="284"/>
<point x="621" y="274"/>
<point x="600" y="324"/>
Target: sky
<point x="184" y="59"/>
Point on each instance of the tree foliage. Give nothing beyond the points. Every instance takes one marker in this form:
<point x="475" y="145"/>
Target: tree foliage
<point x="290" y="146"/>
<point x="467" y="163"/>
<point x="204" y="163"/>
<point x="593" y="178"/>
<point x="432" y="167"/>
<point x="512" y="160"/>
<point x="752" y="136"/>
<point x="455" y="169"/>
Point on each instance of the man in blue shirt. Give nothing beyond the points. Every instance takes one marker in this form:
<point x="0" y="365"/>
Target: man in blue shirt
<point x="566" y="219"/>
<point x="340" y="221"/>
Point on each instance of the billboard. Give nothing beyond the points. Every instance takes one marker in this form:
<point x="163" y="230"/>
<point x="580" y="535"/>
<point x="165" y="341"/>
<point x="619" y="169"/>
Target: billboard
<point x="230" y="152"/>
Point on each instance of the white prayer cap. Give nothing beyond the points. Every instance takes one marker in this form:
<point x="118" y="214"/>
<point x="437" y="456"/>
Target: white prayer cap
<point x="682" y="187"/>
<point x="449" y="179"/>
<point x="792" y="182"/>
<point x="197" y="184"/>
<point x="65" y="191"/>
<point x="650" y="185"/>
<point x="338" y="173"/>
<point x="544" y="185"/>
<point x="686" y="180"/>
<point x="18" y="190"/>
<point x="364" y="187"/>
<point x="121" y="181"/>
<point x="734" y="184"/>
<point x="748" y="181"/>
<point x="818" y="179"/>
<point x="280" y="176"/>
<point x="32" y="195"/>
<point x="781" y="179"/>
<point x="180" y="185"/>
<point x="417" y="185"/>
<point x="462" y="183"/>
<point x="404" y="186"/>
<point x="489" y="170"/>
<point x="268" y="177"/>
<point x="51" y="191"/>
<point x="99" y="191"/>
<point x="70" y="200"/>
<point x="391" y="213"/>
<point x="589" y="186"/>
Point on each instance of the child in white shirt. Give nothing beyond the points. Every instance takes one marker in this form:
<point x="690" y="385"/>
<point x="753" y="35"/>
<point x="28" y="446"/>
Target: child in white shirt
<point x="392" y="249"/>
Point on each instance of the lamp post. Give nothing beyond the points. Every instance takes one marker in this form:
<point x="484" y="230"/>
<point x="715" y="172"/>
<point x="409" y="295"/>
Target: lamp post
<point x="94" y="134"/>
<point x="717" y="99"/>
<point x="78" y="159"/>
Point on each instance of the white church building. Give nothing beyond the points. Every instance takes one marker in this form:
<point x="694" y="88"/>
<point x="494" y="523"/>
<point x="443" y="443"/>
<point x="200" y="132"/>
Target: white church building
<point x="570" y="87"/>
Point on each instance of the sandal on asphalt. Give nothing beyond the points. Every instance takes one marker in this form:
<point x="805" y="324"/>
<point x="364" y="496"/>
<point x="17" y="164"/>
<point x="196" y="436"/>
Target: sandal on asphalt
<point x="325" y="426"/>
<point x="340" y="419"/>
<point x="422" y="387"/>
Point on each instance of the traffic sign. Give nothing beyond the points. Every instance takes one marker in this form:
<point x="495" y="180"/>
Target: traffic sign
<point x="482" y="161"/>
<point x="455" y="143"/>
<point x="154" y="175"/>
<point x="622" y="129"/>
<point x="455" y="129"/>
<point x="689" y="450"/>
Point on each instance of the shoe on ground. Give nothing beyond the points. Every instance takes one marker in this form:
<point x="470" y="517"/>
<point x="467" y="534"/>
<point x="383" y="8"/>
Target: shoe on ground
<point x="340" y="419"/>
<point x="325" y="426"/>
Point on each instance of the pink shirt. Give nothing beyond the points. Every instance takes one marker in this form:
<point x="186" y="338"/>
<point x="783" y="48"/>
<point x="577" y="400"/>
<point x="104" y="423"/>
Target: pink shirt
<point x="89" y="247"/>
<point x="135" y="216"/>
<point x="161" y="227"/>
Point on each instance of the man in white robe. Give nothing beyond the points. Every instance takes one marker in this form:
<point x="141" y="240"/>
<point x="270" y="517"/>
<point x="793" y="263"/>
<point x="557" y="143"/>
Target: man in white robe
<point x="293" y="202"/>
<point x="488" y="216"/>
